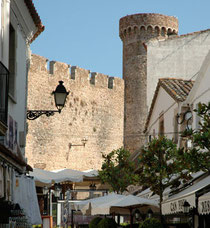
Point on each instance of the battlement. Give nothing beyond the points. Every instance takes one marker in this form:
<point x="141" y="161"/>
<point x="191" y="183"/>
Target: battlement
<point x="79" y="75"/>
<point x="156" y="24"/>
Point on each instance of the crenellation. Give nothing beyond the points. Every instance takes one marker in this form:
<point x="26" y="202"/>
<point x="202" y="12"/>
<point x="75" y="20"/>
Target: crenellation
<point x="99" y="79"/>
<point x="115" y="83"/>
<point x="39" y="63"/>
<point x="80" y="75"/>
<point x="59" y="67"/>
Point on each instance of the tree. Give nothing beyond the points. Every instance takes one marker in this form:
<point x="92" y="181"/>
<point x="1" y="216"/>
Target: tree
<point x="117" y="170"/>
<point x="160" y="167"/>
<point x="197" y="158"/>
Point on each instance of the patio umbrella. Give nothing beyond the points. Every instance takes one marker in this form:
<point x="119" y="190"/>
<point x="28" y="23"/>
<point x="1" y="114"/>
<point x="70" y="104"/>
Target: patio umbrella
<point x="106" y="204"/>
<point x="94" y="203"/>
<point x="47" y="178"/>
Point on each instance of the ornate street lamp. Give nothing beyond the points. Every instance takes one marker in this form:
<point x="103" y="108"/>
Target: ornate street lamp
<point x="150" y="213"/>
<point x="60" y="95"/>
<point x="45" y="190"/>
<point x="137" y="214"/>
<point x="186" y="116"/>
<point x="92" y="187"/>
<point x="186" y="207"/>
<point x="57" y="190"/>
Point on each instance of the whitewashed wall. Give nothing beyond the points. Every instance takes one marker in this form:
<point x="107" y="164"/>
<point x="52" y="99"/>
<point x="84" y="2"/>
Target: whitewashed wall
<point x="167" y="105"/>
<point x="178" y="57"/>
<point x="16" y="13"/>
<point x="201" y="89"/>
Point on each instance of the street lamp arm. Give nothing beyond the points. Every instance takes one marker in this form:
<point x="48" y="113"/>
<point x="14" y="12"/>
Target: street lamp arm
<point x="60" y="95"/>
<point x="34" y="114"/>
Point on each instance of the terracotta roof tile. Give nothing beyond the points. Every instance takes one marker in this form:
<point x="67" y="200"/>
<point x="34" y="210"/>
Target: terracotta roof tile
<point x="178" y="89"/>
<point x="35" y="17"/>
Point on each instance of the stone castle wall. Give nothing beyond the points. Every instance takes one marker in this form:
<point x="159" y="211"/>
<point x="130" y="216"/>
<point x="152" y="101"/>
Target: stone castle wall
<point x="94" y="110"/>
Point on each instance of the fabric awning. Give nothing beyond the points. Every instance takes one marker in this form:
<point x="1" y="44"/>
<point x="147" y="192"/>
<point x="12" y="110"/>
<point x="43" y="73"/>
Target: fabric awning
<point x="103" y="205"/>
<point x="174" y="204"/>
<point x="204" y="204"/>
<point x="25" y="196"/>
<point x="47" y="178"/>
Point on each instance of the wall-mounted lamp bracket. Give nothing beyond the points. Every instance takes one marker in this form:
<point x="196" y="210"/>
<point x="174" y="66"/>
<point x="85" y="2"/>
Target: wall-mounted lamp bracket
<point x="186" y="116"/>
<point x="34" y="114"/>
<point x="60" y="95"/>
<point x="84" y="141"/>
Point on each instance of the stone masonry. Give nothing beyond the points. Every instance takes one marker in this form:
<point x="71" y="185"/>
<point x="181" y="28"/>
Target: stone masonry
<point x="135" y="31"/>
<point x="94" y="110"/>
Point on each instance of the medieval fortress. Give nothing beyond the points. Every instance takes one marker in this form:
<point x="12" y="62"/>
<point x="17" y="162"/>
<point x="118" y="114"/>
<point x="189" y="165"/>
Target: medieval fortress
<point x="109" y="112"/>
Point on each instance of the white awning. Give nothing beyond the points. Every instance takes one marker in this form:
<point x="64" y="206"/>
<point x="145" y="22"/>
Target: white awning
<point x="47" y="178"/>
<point x="204" y="204"/>
<point x="25" y="196"/>
<point x="174" y="204"/>
<point x="103" y="204"/>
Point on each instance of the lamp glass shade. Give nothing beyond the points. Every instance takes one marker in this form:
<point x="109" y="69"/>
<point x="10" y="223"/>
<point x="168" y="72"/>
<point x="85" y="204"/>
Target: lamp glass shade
<point x="57" y="191"/>
<point x="45" y="190"/>
<point x="60" y="95"/>
<point x="186" y="207"/>
<point x="188" y="115"/>
<point x="137" y="214"/>
<point x="150" y="213"/>
<point x="92" y="187"/>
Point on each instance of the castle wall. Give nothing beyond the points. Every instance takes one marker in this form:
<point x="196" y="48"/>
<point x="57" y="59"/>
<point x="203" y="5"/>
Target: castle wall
<point x="94" y="110"/>
<point x="178" y="57"/>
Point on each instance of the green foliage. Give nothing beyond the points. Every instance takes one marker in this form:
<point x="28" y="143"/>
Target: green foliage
<point x="94" y="222"/>
<point x="107" y="223"/>
<point x="198" y="157"/>
<point x="159" y="165"/>
<point x="151" y="223"/>
<point x="117" y="170"/>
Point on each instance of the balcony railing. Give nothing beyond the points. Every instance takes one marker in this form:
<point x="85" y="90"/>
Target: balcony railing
<point x="4" y="77"/>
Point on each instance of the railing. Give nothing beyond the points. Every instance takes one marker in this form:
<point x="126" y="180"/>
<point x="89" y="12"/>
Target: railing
<point x="4" y="77"/>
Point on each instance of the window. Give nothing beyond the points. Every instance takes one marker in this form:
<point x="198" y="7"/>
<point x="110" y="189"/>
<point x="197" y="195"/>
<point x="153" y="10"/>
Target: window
<point x="161" y="125"/>
<point x="8" y="183"/>
<point x="4" y="74"/>
<point x="12" y="61"/>
<point x="175" y="128"/>
<point x="1" y="182"/>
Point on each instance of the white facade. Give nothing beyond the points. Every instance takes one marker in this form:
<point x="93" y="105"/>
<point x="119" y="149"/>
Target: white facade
<point x="178" y="57"/>
<point x="16" y="14"/>
<point x="200" y="92"/>
<point x="166" y="107"/>
<point x="18" y="27"/>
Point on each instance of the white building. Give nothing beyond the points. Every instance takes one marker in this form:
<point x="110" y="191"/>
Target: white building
<point x="196" y="193"/>
<point x="201" y="90"/>
<point x="162" y="117"/>
<point x="19" y="26"/>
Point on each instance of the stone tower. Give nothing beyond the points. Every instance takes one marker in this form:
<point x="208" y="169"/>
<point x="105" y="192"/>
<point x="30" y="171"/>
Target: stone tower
<point x="135" y="31"/>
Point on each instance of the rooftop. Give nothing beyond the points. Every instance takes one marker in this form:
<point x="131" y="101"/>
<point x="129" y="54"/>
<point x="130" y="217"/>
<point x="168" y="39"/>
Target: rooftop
<point x="178" y="89"/>
<point x="35" y="16"/>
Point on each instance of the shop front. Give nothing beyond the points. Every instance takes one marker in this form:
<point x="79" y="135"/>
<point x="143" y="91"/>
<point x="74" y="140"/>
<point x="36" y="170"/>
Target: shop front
<point x="204" y="210"/>
<point x="186" y="206"/>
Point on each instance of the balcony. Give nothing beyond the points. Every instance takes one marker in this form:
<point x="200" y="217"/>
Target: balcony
<point x="4" y="77"/>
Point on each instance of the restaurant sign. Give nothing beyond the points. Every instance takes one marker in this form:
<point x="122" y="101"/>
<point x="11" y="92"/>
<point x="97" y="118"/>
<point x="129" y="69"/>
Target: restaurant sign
<point x="176" y="205"/>
<point x="204" y="204"/>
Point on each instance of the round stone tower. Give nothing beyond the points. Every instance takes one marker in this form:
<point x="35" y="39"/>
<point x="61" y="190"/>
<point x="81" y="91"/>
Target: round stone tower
<point x="135" y="31"/>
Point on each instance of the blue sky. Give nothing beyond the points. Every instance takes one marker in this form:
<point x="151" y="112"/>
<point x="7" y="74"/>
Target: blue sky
<point x="85" y="33"/>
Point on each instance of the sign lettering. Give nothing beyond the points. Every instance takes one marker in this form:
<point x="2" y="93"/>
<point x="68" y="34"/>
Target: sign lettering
<point x="205" y="206"/>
